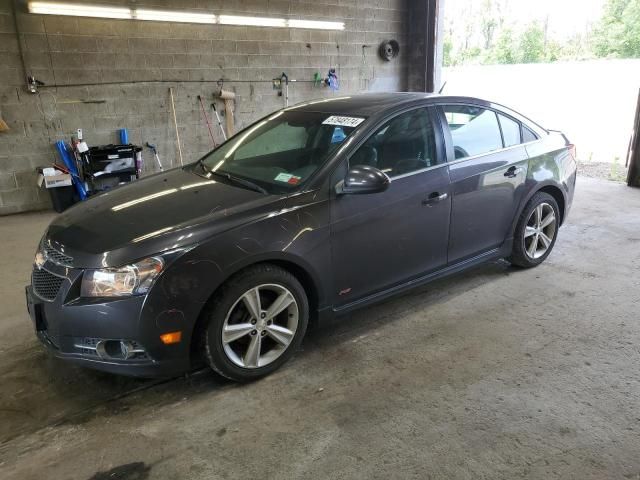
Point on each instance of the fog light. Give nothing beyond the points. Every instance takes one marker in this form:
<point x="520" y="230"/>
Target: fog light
<point x="116" y="349"/>
<point x="171" y="337"/>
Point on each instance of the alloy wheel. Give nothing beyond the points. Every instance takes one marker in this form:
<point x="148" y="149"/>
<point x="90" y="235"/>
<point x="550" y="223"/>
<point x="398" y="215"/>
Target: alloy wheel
<point x="540" y="230"/>
<point x="260" y="326"/>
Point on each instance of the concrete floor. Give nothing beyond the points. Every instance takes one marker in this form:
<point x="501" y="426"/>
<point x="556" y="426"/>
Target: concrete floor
<point x="495" y="373"/>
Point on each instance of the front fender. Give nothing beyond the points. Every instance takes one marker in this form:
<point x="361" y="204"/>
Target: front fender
<point x="297" y="236"/>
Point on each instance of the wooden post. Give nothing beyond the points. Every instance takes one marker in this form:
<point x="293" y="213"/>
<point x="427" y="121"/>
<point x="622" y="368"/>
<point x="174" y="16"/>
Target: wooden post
<point x="175" y="122"/>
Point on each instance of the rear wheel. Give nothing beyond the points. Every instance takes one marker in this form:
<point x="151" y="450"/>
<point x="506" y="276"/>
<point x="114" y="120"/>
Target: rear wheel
<point x="536" y="232"/>
<point x="256" y="323"/>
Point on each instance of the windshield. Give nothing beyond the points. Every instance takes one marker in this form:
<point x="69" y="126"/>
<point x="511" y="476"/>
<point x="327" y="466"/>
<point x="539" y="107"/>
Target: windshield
<point x="282" y="151"/>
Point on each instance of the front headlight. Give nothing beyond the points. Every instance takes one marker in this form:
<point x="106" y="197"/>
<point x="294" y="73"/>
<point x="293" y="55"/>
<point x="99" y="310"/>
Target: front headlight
<point x="135" y="279"/>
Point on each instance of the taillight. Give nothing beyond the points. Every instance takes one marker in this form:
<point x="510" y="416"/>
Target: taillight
<point x="572" y="150"/>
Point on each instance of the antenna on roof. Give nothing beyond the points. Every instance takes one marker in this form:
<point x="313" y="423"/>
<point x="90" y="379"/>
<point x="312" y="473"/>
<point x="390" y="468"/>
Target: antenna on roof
<point x="442" y="88"/>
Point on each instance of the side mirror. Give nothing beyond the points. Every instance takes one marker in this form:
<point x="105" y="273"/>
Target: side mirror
<point x="363" y="179"/>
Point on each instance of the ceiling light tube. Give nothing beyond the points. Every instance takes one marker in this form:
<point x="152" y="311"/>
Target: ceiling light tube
<point x="315" y="24"/>
<point x="77" y="10"/>
<point x="173" y="16"/>
<point x="80" y="10"/>
<point x="252" y="21"/>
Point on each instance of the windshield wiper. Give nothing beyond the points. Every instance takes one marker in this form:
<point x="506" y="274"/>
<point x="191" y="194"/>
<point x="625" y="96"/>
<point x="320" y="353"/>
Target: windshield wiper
<point x="237" y="180"/>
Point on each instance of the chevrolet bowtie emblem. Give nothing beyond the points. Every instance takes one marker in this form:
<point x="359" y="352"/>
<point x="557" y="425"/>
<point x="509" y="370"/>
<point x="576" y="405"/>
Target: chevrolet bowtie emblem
<point x="40" y="260"/>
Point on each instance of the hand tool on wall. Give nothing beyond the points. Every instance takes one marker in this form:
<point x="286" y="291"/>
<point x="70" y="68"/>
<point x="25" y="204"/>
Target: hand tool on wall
<point x="228" y="98"/>
<point x="76" y="156"/>
<point x="206" y="118"/>
<point x="282" y="85"/>
<point x="284" y="78"/>
<point x="215" y="110"/>
<point x="332" y="80"/>
<point x="175" y="123"/>
<point x="155" y="154"/>
<point x="317" y="79"/>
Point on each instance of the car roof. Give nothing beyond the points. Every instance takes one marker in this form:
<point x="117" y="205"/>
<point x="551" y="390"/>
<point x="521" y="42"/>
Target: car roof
<point x="365" y="104"/>
<point x="372" y="103"/>
<point x="377" y="104"/>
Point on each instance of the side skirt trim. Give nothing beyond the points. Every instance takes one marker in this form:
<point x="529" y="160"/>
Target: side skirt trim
<point x="416" y="282"/>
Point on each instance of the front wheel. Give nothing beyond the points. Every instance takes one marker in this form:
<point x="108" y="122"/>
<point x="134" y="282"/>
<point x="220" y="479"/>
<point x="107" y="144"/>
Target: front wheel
<point x="256" y="323"/>
<point x="536" y="231"/>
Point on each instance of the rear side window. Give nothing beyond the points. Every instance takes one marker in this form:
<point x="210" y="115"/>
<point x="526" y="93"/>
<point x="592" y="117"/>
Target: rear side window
<point x="510" y="131"/>
<point x="528" y="135"/>
<point x="474" y="130"/>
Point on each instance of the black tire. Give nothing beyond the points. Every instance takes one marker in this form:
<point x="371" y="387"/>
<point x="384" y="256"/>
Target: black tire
<point x="217" y="310"/>
<point x="519" y="256"/>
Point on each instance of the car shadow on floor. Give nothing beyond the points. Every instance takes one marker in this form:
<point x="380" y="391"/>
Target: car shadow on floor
<point x="40" y="391"/>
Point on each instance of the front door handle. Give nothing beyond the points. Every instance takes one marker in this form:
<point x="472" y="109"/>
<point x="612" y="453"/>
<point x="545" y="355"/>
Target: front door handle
<point x="435" y="197"/>
<point x="512" y="172"/>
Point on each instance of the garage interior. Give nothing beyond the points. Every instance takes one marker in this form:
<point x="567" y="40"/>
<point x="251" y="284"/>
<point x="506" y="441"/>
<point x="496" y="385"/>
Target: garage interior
<point x="494" y="373"/>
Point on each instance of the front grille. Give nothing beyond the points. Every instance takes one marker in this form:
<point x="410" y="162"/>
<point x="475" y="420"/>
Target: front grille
<point x="45" y="284"/>
<point x="59" y="258"/>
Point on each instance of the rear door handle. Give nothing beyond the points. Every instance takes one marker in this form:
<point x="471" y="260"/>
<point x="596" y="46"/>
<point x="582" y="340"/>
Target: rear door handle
<point x="512" y="172"/>
<point x="435" y="197"/>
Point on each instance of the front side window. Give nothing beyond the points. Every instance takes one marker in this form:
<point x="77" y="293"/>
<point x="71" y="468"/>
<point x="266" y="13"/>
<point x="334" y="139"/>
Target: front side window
<point x="474" y="130"/>
<point x="402" y="145"/>
<point x="282" y="151"/>
<point x="510" y="131"/>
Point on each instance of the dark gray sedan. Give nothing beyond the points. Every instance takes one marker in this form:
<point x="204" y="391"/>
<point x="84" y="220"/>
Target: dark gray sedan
<point x="310" y="212"/>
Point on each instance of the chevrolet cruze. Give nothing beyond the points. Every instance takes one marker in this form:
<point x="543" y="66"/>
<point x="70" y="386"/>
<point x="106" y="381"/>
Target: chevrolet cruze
<point x="308" y="213"/>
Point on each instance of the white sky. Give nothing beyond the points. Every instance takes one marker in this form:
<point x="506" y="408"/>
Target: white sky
<point x="566" y="17"/>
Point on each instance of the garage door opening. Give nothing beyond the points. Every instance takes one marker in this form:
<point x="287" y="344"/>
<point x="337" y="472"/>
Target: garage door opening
<point x="572" y="66"/>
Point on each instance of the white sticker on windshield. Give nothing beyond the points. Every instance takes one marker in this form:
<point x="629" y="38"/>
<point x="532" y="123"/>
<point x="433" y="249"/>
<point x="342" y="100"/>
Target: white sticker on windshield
<point x="288" y="178"/>
<point x="343" y="121"/>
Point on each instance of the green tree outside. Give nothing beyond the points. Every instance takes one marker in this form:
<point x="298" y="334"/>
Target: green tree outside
<point x="485" y="36"/>
<point x="618" y="34"/>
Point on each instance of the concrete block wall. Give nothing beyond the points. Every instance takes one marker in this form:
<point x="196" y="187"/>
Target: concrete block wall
<point x="190" y="58"/>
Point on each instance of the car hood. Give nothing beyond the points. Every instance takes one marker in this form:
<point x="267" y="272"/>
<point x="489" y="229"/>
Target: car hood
<point x="162" y="212"/>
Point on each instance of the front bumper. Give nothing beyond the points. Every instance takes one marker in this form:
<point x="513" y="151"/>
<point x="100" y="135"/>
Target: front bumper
<point x="71" y="328"/>
<point x="144" y="369"/>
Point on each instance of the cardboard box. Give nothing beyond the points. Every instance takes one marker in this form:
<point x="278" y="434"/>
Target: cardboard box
<point x="53" y="181"/>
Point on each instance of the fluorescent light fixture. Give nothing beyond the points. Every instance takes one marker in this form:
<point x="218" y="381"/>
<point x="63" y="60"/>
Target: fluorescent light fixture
<point x="315" y="24"/>
<point x="252" y="21"/>
<point x="173" y="16"/>
<point x="81" y="10"/>
<point x="77" y="10"/>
